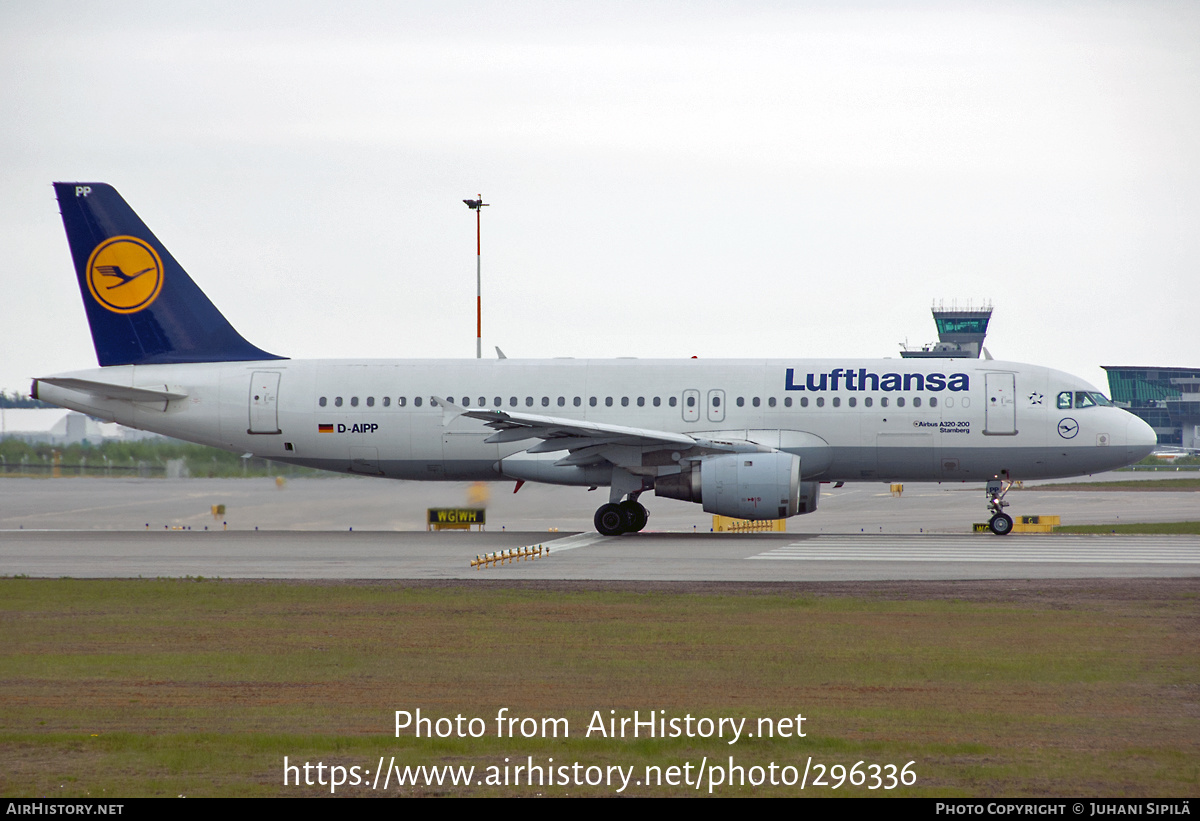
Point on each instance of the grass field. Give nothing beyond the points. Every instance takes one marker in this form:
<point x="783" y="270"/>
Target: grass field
<point x="200" y="688"/>
<point x="1141" y="485"/>
<point x="1180" y="528"/>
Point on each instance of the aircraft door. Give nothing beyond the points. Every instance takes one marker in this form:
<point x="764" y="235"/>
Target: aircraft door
<point x="1001" y="405"/>
<point x="716" y="406"/>
<point x="264" y="402"/>
<point x="691" y="406"/>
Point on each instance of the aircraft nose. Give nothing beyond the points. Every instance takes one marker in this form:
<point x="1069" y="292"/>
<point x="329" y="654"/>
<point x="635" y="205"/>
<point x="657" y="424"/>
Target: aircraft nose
<point x="1140" y="438"/>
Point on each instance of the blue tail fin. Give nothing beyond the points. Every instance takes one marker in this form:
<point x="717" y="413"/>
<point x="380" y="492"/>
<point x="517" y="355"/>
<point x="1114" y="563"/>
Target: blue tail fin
<point x="142" y="306"/>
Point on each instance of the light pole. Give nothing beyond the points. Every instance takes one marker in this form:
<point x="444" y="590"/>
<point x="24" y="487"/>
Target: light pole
<point x="477" y="206"/>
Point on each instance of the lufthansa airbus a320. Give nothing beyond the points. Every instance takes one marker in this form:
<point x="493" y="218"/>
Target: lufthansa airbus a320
<point x="747" y="438"/>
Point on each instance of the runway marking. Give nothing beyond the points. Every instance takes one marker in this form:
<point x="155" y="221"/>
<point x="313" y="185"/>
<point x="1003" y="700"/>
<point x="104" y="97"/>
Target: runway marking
<point x="1059" y="550"/>
<point x="572" y="542"/>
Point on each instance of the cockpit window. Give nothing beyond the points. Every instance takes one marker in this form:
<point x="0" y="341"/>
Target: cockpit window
<point x="1083" y="399"/>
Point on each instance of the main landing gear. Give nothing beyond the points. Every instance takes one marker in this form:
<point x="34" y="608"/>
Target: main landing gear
<point x="1001" y="523"/>
<point x="613" y="519"/>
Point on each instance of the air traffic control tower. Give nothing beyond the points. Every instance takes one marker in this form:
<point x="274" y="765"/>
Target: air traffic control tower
<point x="960" y="333"/>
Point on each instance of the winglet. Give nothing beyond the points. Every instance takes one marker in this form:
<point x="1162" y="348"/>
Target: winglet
<point x="450" y="411"/>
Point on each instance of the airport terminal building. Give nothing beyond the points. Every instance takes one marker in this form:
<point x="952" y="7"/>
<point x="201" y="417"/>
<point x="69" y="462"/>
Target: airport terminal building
<point x="1168" y="399"/>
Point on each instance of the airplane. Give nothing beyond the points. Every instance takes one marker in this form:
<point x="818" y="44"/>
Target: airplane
<point x="746" y="438"/>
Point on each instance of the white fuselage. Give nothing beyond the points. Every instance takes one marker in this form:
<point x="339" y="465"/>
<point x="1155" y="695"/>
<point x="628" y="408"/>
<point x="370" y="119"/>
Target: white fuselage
<point x="848" y="420"/>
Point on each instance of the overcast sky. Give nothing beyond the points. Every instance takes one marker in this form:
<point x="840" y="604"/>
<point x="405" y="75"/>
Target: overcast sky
<point x="665" y="179"/>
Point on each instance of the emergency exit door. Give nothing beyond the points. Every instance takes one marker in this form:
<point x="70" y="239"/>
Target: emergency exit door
<point x="264" y="402"/>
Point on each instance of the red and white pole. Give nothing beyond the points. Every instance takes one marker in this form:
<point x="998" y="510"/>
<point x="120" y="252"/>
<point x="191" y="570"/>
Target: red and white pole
<point x="477" y="206"/>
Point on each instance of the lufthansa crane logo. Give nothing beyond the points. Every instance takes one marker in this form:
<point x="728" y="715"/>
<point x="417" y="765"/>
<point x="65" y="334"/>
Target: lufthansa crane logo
<point x="124" y="274"/>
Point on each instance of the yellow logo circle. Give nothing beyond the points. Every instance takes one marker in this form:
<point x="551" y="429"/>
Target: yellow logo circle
<point x="124" y="274"/>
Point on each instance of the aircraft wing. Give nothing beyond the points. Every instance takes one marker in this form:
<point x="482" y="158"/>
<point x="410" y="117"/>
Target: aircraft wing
<point x="589" y="442"/>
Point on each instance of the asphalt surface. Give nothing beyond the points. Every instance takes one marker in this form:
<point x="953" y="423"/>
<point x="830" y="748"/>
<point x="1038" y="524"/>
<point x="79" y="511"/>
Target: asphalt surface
<point x="371" y="529"/>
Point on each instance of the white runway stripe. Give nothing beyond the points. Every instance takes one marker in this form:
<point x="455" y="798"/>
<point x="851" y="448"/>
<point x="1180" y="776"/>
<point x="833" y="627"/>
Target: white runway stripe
<point x="572" y="542"/>
<point x="1058" y="550"/>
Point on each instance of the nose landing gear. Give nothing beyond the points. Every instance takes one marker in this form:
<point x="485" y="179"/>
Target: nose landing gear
<point x="1001" y="523"/>
<point x="613" y="519"/>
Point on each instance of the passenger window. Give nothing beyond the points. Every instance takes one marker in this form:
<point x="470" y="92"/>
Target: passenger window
<point x="671" y="401"/>
<point x="321" y="401"/>
<point x="820" y="401"/>
<point x="691" y="401"/>
<point x="716" y="401"/>
<point x="837" y="401"/>
<point x="354" y="401"/>
<point x="804" y="401"/>
<point x="337" y="402"/>
<point x="387" y="401"/>
<point x="756" y="401"/>
<point x="933" y="401"/>
<point x="545" y="401"/>
<point x="853" y="401"/>
<point x="868" y="401"/>
<point x="771" y="402"/>
<point x="483" y="401"/>
<point x="641" y="401"/>
<point x="562" y="401"/>
<point x="496" y="401"/>
<point x="1064" y="400"/>
<point x="899" y="401"/>
<point x="657" y="401"/>
<point x="916" y="401"/>
<point x="787" y="401"/>
<point x="578" y="401"/>
<point x="1083" y="399"/>
<point x="529" y="401"/>
<point x="883" y="401"/>
<point x="608" y="401"/>
<point x="417" y="401"/>
<point x="624" y="401"/>
<point x="512" y="401"/>
<point x="400" y="401"/>
<point x="741" y="401"/>
<point x="370" y="401"/>
<point x="592" y="401"/>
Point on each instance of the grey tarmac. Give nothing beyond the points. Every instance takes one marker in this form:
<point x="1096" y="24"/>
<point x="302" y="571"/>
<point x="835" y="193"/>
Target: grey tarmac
<point x="371" y="529"/>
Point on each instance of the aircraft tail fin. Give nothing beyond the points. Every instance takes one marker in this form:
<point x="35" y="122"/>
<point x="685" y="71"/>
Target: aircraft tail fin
<point x="141" y="305"/>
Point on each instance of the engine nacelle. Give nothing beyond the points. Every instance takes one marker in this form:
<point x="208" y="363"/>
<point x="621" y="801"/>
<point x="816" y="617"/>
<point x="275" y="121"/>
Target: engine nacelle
<point x="744" y="486"/>
<point x="540" y="467"/>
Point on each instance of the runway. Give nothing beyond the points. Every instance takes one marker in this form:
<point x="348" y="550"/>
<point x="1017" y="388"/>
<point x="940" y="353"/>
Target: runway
<point x="370" y="529"/>
<point x="589" y="556"/>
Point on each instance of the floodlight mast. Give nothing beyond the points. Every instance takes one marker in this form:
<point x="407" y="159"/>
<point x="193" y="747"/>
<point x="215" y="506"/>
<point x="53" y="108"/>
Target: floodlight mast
<point x="477" y="206"/>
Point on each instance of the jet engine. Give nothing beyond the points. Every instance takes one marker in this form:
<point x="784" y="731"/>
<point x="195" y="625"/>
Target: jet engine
<point x="744" y="486"/>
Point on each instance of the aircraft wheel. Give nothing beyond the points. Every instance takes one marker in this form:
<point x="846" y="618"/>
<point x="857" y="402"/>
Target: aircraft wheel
<point x="635" y="516"/>
<point x="610" y="520"/>
<point x="1001" y="524"/>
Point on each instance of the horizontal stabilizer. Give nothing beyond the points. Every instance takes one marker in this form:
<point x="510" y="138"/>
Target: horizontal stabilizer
<point x="106" y="390"/>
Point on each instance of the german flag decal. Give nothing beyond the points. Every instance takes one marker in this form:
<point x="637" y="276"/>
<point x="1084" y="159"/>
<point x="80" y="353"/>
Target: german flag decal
<point x="324" y="428"/>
